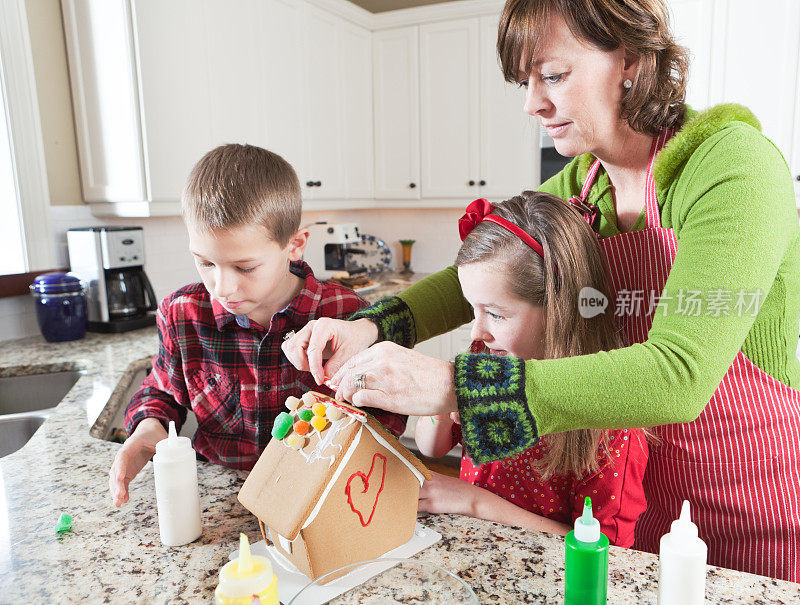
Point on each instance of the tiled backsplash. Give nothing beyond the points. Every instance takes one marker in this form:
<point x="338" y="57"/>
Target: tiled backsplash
<point x="169" y="265"/>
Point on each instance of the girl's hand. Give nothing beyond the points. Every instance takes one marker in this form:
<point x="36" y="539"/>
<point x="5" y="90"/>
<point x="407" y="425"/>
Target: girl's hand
<point x="132" y="456"/>
<point x="445" y="494"/>
<point x="333" y="339"/>
<point x="397" y="380"/>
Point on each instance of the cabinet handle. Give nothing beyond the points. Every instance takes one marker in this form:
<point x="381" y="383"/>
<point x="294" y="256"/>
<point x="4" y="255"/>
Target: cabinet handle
<point x="412" y="185"/>
<point x="797" y="178"/>
<point x="318" y="184"/>
<point x="309" y="183"/>
<point x="482" y="183"/>
<point x="471" y="183"/>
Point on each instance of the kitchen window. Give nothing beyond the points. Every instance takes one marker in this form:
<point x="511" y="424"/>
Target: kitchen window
<point x="25" y="232"/>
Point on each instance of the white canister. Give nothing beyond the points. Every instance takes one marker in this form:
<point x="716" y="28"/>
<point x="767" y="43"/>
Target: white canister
<point x="682" y="563"/>
<point x="177" y="492"/>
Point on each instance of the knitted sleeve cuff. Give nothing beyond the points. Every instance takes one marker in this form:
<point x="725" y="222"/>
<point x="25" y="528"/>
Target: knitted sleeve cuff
<point x="394" y="320"/>
<point x="495" y="420"/>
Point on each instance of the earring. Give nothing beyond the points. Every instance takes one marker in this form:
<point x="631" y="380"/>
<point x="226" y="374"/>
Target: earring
<point x="627" y="83"/>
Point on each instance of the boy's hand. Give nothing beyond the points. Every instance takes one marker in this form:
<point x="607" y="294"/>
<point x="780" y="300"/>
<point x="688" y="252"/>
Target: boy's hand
<point x="132" y="457"/>
<point x="333" y="339"/>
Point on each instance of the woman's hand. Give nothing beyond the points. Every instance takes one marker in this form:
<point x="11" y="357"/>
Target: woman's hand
<point x="445" y="494"/>
<point x="397" y="379"/>
<point x="132" y="456"/>
<point x="333" y="339"/>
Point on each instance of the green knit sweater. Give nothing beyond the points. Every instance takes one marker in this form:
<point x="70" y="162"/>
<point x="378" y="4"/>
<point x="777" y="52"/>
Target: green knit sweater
<point x="726" y="191"/>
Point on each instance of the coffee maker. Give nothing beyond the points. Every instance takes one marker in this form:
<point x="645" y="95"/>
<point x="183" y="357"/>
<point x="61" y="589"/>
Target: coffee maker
<point x="110" y="260"/>
<point x="329" y="248"/>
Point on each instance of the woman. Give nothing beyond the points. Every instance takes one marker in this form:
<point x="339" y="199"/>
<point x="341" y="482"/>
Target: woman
<point x="695" y="214"/>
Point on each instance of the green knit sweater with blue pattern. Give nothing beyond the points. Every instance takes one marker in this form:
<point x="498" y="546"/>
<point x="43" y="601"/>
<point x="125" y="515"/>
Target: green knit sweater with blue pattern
<point x="727" y="193"/>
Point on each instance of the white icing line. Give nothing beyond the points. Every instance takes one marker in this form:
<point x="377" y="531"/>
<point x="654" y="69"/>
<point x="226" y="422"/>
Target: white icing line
<point x="334" y="477"/>
<point x="285" y="544"/>
<point x="420" y="477"/>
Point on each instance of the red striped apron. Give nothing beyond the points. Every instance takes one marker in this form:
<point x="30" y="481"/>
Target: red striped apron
<point x="737" y="463"/>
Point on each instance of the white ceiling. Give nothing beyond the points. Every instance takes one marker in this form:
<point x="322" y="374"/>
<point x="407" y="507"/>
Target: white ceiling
<point x="379" y="6"/>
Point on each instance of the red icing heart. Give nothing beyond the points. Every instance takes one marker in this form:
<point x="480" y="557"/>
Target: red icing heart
<point x="365" y="479"/>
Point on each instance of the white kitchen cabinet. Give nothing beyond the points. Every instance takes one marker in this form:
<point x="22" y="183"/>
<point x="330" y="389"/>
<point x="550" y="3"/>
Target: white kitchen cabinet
<point x="692" y="24"/>
<point x="395" y="69"/>
<point x="449" y="108"/>
<point x="475" y="139"/>
<point x="158" y="84"/>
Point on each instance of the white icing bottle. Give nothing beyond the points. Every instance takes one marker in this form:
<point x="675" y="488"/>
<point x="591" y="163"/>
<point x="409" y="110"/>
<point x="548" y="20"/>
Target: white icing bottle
<point x="177" y="493"/>
<point x="682" y="563"/>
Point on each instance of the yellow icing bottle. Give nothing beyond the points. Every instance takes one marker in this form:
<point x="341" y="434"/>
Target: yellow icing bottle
<point x="245" y="577"/>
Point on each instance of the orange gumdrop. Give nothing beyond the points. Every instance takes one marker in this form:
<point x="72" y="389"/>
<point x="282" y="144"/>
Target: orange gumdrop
<point x="301" y="427"/>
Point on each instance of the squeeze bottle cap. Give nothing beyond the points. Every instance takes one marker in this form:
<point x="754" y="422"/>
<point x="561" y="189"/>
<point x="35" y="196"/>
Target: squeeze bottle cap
<point x="683" y="527"/>
<point x="174" y="447"/>
<point x="587" y="528"/>
<point x="246" y="575"/>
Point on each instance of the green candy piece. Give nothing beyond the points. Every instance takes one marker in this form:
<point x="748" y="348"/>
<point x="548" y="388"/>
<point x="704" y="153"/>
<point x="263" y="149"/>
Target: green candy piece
<point x="64" y="523"/>
<point x="305" y="414"/>
<point x="282" y="426"/>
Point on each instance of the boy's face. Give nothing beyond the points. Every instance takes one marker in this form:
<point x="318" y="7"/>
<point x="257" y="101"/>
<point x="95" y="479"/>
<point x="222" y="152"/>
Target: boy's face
<point x="505" y="323"/>
<point x="245" y="269"/>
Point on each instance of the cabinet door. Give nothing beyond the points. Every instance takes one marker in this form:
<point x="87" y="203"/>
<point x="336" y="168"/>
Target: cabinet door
<point x="692" y="24"/>
<point x="282" y="70"/>
<point x="449" y="114"/>
<point x="509" y="137"/>
<point x="395" y="60"/>
<point x="755" y="62"/>
<point x="356" y="90"/>
<point x="105" y="98"/>
<point x="175" y="90"/>
<point x="324" y="106"/>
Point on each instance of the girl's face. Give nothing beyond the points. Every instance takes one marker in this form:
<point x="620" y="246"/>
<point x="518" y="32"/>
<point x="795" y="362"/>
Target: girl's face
<point x="505" y="323"/>
<point x="575" y="90"/>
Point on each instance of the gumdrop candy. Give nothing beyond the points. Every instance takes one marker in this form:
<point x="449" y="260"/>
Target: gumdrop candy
<point x="282" y="425"/>
<point x="309" y="399"/>
<point x="301" y="427"/>
<point x="295" y="442"/>
<point x="305" y="414"/>
<point x="318" y="422"/>
<point x="333" y="413"/>
<point x="293" y="402"/>
<point x="318" y="409"/>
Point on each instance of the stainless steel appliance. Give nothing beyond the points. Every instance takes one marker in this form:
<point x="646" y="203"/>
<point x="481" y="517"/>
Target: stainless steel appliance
<point x="329" y="249"/>
<point x="111" y="261"/>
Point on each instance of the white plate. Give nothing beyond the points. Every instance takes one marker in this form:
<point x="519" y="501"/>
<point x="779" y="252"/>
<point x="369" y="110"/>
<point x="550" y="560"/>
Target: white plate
<point x="378" y="255"/>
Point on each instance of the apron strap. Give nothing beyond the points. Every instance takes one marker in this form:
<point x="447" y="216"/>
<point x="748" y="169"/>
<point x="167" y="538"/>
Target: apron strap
<point x="652" y="214"/>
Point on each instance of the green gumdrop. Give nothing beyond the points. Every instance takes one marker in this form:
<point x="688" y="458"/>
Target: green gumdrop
<point x="305" y="414"/>
<point x="282" y="426"/>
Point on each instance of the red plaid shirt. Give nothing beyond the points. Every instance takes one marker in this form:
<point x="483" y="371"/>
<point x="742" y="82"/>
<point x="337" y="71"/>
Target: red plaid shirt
<point x="230" y="371"/>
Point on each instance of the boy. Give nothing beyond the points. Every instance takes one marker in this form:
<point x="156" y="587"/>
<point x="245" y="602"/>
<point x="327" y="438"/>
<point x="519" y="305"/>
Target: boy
<point x="219" y="353"/>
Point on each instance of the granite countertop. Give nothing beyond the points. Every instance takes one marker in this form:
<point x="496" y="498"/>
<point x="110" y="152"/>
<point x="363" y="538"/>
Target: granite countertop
<point x="115" y="555"/>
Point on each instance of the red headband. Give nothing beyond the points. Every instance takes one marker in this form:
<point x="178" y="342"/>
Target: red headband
<point x="481" y="210"/>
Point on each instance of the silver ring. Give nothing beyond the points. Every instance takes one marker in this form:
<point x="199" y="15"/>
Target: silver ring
<point x="360" y="382"/>
<point x="288" y="335"/>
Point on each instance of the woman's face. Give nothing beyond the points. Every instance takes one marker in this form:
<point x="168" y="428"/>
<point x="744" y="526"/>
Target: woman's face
<point x="505" y="323"/>
<point x="575" y="90"/>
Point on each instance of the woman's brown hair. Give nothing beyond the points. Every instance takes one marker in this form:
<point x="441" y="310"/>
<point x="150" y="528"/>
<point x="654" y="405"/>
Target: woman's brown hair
<point x="656" y="99"/>
<point x="572" y="261"/>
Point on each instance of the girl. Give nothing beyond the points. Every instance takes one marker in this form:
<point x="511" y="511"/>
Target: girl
<point x="524" y="267"/>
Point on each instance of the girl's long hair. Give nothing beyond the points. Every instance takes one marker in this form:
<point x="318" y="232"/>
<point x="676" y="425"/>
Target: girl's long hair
<point x="572" y="261"/>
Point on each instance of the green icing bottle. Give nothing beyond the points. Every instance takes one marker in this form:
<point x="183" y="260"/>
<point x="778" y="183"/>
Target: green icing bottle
<point x="586" y="561"/>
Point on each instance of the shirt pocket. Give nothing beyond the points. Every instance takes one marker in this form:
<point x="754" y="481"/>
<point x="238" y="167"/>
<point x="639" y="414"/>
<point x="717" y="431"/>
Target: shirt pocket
<point x="215" y="403"/>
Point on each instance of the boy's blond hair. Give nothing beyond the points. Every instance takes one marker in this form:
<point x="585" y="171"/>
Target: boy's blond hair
<point x="235" y="185"/>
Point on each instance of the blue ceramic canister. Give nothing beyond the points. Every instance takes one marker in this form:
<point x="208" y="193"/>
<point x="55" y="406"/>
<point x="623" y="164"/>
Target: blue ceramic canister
<point x="60" y="306"/>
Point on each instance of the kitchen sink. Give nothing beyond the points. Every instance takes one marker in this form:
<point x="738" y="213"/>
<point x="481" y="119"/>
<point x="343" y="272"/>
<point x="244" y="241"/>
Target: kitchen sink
<point x="16" y="431"/>
<point x="27" y="401"/>
<point x="33" y="392"/>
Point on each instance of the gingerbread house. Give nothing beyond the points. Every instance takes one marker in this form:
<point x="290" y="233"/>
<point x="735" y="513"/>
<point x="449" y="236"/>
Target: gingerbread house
<point x="333" y="486"/>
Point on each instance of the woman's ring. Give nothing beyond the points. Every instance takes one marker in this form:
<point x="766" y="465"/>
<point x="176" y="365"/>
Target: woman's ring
<point x="288" y="335"/>
<point x="360" y="382"/>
